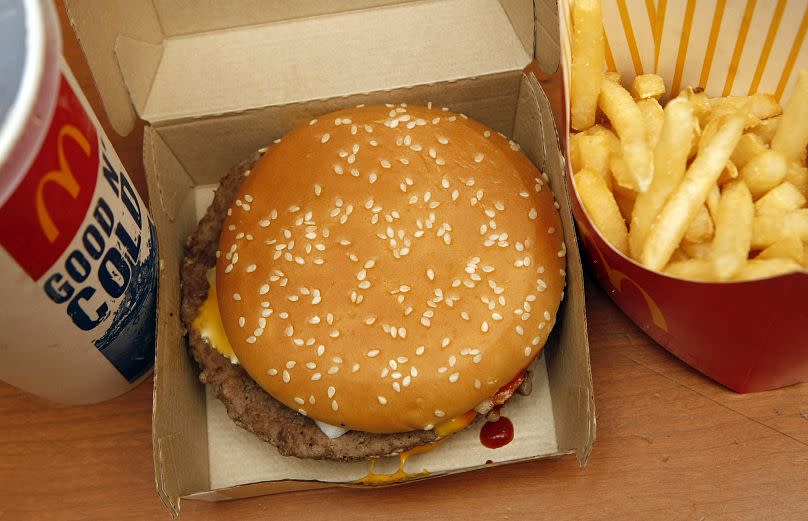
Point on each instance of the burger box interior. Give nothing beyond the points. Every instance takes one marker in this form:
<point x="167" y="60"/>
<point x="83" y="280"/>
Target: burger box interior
<point x="215" y="81"/>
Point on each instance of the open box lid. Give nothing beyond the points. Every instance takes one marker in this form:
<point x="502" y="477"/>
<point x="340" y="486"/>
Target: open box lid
<point x="167" y="61"/>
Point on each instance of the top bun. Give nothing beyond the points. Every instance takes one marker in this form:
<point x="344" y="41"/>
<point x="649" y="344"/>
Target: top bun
<point x="388" y="268"/>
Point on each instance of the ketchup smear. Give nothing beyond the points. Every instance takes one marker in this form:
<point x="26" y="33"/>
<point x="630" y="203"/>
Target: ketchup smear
<point x="497" y="434"/>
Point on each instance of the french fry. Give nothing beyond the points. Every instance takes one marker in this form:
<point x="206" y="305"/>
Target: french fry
<point x="730" y="172"/>
<point x="602" y="208"/>
<point x="679" y="256"/>
<point x="749" y="147"/>
<point x="762" y="269"/>
<point x="692" y="269"/>
<point x="590" y="151"/>
<point x="791" y="137"/>
<point x="613" y="77"/>
<point x="756" y="107"/>
<point x="789" y="247"/>
<point x="764" y="172"/>
<point x="733" y="230"/>
<point x="620" y="172"/>
<point x="681" y="207"/>
<point x="696" y="250"/>
<point x="798" y="176"/>
<point x="698" y="100"/>
<point x="653" y="117"/>
<point x="769" y="228"/>
<point x="626" y="119"/>
<point x="647" y="86"/>
<point x="588" y="55"/>
<point x="670" y="162"/>
<point x="709" y="130"/>
<point x="701" y="227"/>
<point x="780" y="199"/>
<point x="765" y="131"/>
<point x="713" y="198"/>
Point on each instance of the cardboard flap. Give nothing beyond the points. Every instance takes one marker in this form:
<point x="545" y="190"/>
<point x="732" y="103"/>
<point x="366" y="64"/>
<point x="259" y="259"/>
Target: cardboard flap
<point x="209" y="147"/>
<point x="573" y="397"/>
<point x="180" y="440"/>
<point x="362" y="51"/>
<point x="180" y="18"/>
<point x="138" y="62"/>
<point x="547" y="36"/>
<point x="97" y="25"/>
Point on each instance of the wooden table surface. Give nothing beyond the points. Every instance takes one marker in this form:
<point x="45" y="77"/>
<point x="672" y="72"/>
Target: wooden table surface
<point x="671" y="445"/>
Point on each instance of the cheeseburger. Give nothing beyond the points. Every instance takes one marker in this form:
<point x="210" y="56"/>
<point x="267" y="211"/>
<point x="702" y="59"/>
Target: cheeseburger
<point x="373" y="281"/>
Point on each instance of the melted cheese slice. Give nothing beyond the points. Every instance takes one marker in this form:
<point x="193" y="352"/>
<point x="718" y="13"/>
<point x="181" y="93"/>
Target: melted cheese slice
<point x="208" y="322"/>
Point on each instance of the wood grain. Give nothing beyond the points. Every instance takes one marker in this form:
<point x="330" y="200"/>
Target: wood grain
<point x="671" y="445"/>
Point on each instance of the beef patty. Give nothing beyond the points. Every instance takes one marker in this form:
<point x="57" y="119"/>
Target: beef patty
<point x="249" y="406"/>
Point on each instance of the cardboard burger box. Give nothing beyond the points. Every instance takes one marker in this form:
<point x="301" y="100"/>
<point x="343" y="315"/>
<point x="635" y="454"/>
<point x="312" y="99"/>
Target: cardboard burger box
<point x="748" y="336"/>
<point x="216" y="81"/>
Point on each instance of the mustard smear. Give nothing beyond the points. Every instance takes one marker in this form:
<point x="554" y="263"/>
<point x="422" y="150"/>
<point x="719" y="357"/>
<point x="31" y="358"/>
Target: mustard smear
<point x="399" y="475"/>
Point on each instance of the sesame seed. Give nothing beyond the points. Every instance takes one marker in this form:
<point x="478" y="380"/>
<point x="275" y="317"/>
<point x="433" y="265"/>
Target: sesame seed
<point x="478" y="158"/>
<point x="439" y="413"/>
<point x="286" y="376"/>
<point x="445" y="342"/>
<point x="382" y="400"/>
<point x="313" y="122"/>
<point x="533" y="214"/>
<point x="251" y="339"/>
<point x="528" y="350"/>
<point x="331" y="391"/>
<point x="325" y="137"/>
<point x="454" y="377"/>
<point x="373" y="353"/>
<point x="385" y="163"/>
<point x="334" y="405"/>
<point x="236" y="296"/>
<point x="419" y="350"/>
<point x="272" y="372"/>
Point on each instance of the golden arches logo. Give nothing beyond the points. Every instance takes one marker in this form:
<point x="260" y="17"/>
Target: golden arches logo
<point x="63" y="177"/>
<point x="616" y="278"/>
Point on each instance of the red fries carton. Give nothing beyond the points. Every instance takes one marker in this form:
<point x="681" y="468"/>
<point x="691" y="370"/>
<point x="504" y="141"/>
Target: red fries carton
<point x="749" y="336"/>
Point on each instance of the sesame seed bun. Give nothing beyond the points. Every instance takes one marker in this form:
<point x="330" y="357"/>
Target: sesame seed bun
<point x="386" y="269"/>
